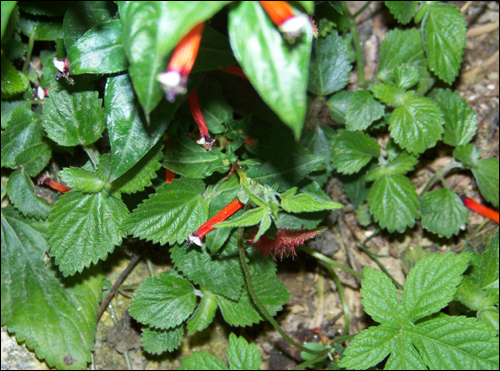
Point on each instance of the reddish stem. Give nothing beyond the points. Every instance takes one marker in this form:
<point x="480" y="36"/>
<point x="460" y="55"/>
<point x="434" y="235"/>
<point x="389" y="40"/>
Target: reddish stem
<point x="222" y="215"/>
<point x="480" y="209"/>
<point x="54" y="185"/>
<point x="235" y="70"/>
<point x="170" y="174"/>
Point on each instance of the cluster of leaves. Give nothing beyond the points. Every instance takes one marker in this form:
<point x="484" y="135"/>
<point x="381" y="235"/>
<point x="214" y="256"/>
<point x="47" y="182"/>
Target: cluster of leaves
<point x="116" y="112"/>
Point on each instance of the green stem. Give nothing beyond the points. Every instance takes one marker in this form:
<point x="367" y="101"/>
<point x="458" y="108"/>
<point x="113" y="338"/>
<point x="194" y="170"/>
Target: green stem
<point x="340" y="288"/>
<point x="326" y="260"/>
<point x="363" y="8"/>
<point x="341" y="339"/>
<point x="31" y="42"/>
<point x="261" y="306"/>
<point x="380" y="265"/>
<point x="357" y="45"/>
<point x="92" y="153"/>
<point x="440" y="174"/>
<point x="311" y="362"/>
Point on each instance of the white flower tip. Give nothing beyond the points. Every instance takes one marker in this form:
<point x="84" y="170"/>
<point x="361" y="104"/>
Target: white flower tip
<point x="58" y="64"/>
<point x="169" y="79"/>
<point x="293" y="26"/>
<point x="40" y="93"/>
<point x="195" y="239"/>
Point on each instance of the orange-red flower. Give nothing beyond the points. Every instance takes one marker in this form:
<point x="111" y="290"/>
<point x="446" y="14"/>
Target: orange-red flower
<point x="205" y="140"/>
<point x="174" y="79"/>
<point x="170" y="174"/>
<point x="283" y="16"/>
<point x="53" y="184"/>
<point x="480" y="209"/>
<point x="222" y="215"/>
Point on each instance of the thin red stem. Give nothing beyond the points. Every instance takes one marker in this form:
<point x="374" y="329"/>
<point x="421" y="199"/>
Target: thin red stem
<point x="170" y="174"/>
<point x="480" y="209"/>
<point x="235" y="70"/>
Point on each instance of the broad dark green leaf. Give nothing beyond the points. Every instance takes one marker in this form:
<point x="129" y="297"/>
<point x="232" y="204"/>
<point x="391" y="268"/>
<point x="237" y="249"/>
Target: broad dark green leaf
<point x="85" y="228"/>
<point x="443" y="212"/>
<point x="390" y="94"/>
<point x="488" y="270"/>
<point x="202" y="361"/>
<point x="352" y="151"/>
<point x="7" y="7"/>
<point x="339" y="104"/>
<point x="403" y="11"/>
<point x="41" y="28"/>
<point x="215" y="51"/>
<point x="362" y="111"/>
<point x="72" y="119"/>
<point x="34" y="159"/>
<point x="12" y="80"/>
<point x="21" y="193"/>
<point x="276" y="69"/>
<point x="99" y="51"/>
<point x="156" y="341"/>
<point x="82" y="180"/>
<point x="468" y="154"/>
<point x="240" y="354"/>
<point x="204" y="314"/>
<point x="402" y="164"/>
<point x="129" y="134"/>
<point x="54" y="316"/>
<point x="9" y="106"/>
<point x="329" y="69"/>
<point x="486" y="173"/>
<point x="216" y="111"/>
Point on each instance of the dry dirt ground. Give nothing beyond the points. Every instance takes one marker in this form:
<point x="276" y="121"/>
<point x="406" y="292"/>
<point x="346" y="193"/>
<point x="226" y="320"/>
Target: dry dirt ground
<point x="314" y="312"/>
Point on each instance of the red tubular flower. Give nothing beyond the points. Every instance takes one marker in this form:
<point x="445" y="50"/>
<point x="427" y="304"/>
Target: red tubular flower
<point x="235" y="70"/>
<point x="63" y="68"/>
<point x="174" y="79"/>
<point x="170" y="174"/>
<point x="53" y="184"/>
<point x="284" y="242"/>
<point x="222" y="215"/>
<point x="480" y="209"/>
<point x="283" y="16"/>
<point x="205" y="140"/>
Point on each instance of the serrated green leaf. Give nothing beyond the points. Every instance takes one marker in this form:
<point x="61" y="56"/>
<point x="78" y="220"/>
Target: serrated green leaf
<point x="35" y="297"/>
<point x="100" y="50"/>
<point x="488" y="270"/>
<point x="202" y="361"/>
<point x="403" y="11"/>
<point x="204" y="314"/>
<point x="431" y="284"/>
<point x="305" y="203"/>
<point x="276" y="70"/>
<point x="139" y="177"/>
<point x="241" y="355"/>
<point x="417" y="125"/>
<point x="329" y="69"/>
<point x="443" y="34"/>
<point x="338" y="104"/>
<point x="394" y="203"/>
<point x="129" y="134"/>
<point x="363" y="215"/>
<point x="264" y="225"/>
<point x="156" y="341"/>
<point x="443" y="212"/>
<point x="220" y="273"/>
<point x="285" y="171"/>
<point x="400" y="47"/>
<point x="72" y="119"/>
<point x="84" y="229"/>
<point x="468" y="154"/>
<point x="82" y="180"/>
<point x="169" y="215"/>
<point x="406" y="76"/>
<point x="352" y="151"/>
<point x="12" y="80"/>
<point x="470" y="294"/>
<point x="215" y="52"/>
<point x="41" y="28"/>
<point x="34" y="159"/>
<point x="271" y="292"/>
<point x="8" y="107"/>
<point x="21" y="192"/>
<point x="249" y="218"/>
<point x="402" y="164"/>
<point x="363" y="110"/>
<point x="460" y="122"/>
<point x="490" y="315"/>
<point x="163" y="301"/>
<point x="22" y="131"/>
<point x="486" y="173"/>
<point x="390" y="94"/>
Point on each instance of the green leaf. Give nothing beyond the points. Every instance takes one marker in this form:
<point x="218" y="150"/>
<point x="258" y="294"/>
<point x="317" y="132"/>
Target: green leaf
<point x="402" y="164"/>
<point x="220" y="273"/>
<point x="443" y="212"/>
<point x="329" y="69"/>
<point x="403" y="11"/>
<point x="146" y="50"/>
<point x="214" y="53"/>
<point x="21" y="192"/>
<point x="241" y="355"/>
<point x="460" y="122"/>
<point x="486" y="173"/>
<point x="352" y="151"/>
<point x="363" y="110"/>
<point x="470" y="294"/>
<point x="285" y="171"/>
<point x="204" y="314"/>
<point x="202" y="361"/>
<point x="443" y="34"/>
<point x="338" y="105"/>
<point x="271" y="292"/>
<point x="41" y="28"/>
<point x="72" y="119"/>
<point x="156" y="341"/>
<point x="169" y="215"/>
<point x="163" y="301"/>
<point x="7" y="8"/>
<point x="390" y="94"/>
<point x="84" y="229"/>
<point x="305" y="202"/>
<point x="249" y="218"/>
<point x="36" y="298"/>
<point x="12" y="80"/>
<point x="491" y="316"/>
<point x="130" y="137"/>
<point x="394" y="202"/>
<point x="417" y="125"/>
<point x="406" y="76"/>
<point x="216" y="111"/>
<point x="468" y="154"/>
<point x="82" y="180"/>
<point x="34" y="159"/>
<point x="400" y="47"/>
<point x="356" y="187"/>
<point x="100" y="50"/>
<point x="139" y="177"/>
<point x="277" y="70"/>
<point x="23" y="131"/>
<point x="488" y="270"/>
<point x="8" y="107"/>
